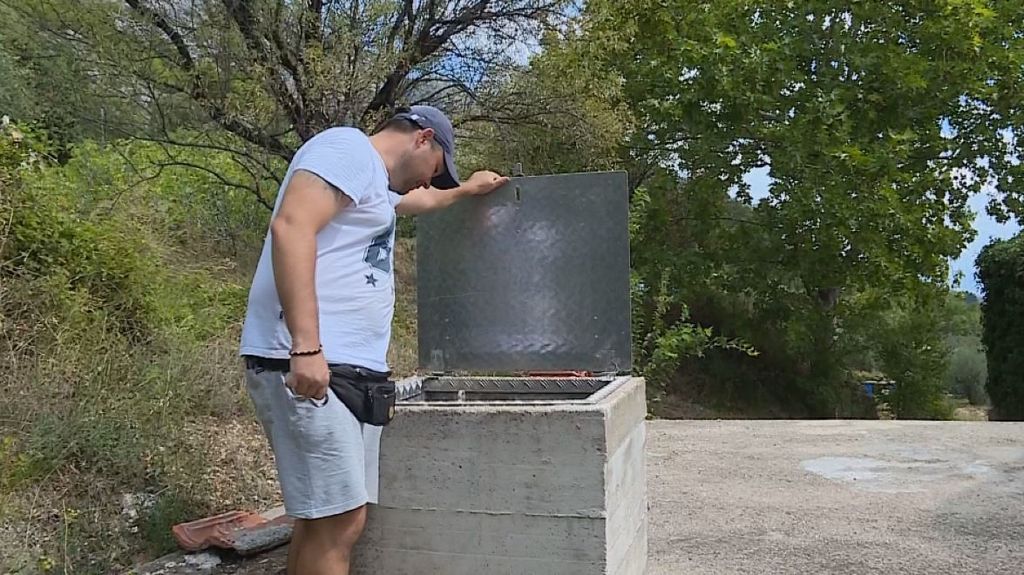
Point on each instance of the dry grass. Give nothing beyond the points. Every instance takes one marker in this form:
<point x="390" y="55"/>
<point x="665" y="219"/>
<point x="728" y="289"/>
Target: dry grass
<point x="402" y="355"/>
<point x="105" y="444"/>
<point x="124" y="409"/>
<point x="91" y="421"/>
<point x="964" y="411"/>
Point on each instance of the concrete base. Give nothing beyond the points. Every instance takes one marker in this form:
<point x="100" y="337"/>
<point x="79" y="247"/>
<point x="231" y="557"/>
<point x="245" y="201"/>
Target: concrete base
<point x="515" y="488"/>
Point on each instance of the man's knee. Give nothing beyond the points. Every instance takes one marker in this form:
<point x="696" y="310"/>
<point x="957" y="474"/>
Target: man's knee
<point x="337" y="531"/>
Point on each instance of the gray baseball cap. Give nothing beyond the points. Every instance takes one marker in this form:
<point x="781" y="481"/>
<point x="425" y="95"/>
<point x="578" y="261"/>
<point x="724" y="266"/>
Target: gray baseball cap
<point x="444" y="134"/>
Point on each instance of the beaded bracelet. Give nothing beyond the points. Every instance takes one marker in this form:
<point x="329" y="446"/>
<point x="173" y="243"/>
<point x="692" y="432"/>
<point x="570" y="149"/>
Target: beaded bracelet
<point x="307" y="352"/>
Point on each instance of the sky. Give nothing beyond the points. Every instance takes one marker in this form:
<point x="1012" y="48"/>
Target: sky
<point x="986" y="226"/>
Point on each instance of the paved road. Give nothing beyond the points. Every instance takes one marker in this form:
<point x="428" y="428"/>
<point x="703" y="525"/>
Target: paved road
<point x="836" y="497"/>
<point x="822" y="497"/>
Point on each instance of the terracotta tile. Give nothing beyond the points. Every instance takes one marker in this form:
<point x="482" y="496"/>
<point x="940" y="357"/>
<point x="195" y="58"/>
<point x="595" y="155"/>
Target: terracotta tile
<point x="213" y="531"/>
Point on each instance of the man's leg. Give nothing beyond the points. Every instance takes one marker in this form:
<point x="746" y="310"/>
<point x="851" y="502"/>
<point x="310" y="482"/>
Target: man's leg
<point x="294" y="545"/>
<point x="324" y="546"/>
<point x="320" y="455"/>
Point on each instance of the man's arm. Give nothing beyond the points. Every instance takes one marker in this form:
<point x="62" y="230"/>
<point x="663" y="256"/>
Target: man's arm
<point x="423" y="200"/>
<point x="309" y="203"/>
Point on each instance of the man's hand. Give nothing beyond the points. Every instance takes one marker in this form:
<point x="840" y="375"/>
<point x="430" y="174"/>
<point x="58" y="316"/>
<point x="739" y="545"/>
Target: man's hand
<point x="309" y="376"/>
<point x="483" y="182"/>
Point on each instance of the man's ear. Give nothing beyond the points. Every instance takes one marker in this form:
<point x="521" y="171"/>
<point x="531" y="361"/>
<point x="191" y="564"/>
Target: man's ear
<point x="425" y="136"/>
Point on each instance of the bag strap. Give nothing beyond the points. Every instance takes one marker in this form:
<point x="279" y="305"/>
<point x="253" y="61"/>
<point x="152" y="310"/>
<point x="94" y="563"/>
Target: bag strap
<point x="359" y="373"/>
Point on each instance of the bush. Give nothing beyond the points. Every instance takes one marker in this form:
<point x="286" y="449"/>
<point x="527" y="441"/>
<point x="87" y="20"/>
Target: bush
<point x="710" y="299"/>
<point x="1001" y="274"/>
<point x="118" y="365"/>
<point x="966" y="375"/>
<point x="912" y="354"/>
<point x="120" y="249"/>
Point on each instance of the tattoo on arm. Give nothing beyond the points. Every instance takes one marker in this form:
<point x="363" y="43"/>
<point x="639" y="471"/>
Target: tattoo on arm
<point x="339" y="195"/>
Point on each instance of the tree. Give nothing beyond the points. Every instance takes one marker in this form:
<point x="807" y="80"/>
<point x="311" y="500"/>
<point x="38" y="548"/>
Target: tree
<point x="875" y="122"/>
<point x="562" y="113"/>
<point x="967" y="375"/>
<point x="1001" y="273"/>
<point x="41" y="88"/>
<point x="912" y="353"/>
<point x="846" y="108"/>
<point x="962" y="329"/>
<point x="260" y="77"/>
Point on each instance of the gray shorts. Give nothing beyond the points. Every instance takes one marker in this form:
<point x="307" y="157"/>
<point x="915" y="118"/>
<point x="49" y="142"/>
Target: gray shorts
<point x="326" y="458"/>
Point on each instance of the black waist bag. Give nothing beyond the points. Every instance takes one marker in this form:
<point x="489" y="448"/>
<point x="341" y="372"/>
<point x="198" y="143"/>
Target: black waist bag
<point x="370" y="395"/>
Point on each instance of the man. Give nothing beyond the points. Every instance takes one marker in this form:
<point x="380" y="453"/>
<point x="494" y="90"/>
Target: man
<point x="323" y="293"/>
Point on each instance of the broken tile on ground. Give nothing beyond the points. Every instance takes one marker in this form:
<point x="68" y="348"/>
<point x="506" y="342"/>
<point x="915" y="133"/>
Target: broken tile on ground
<point x="241" y="531"/>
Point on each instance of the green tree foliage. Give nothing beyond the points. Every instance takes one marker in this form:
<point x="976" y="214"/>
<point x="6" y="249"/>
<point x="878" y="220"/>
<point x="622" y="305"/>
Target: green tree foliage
<point x="561" y="114"/>
<point x="42" y="80"/>
<point x="257" y="78"/>
<point x="963" y="316"/>
<point x="845" y="107"/>
<point x="1001" y="272"/>
<point x="967" y="374"/>
<point x="875" y="123"/>
<point x="912" y="353"/>
<point x="962" y="328"/>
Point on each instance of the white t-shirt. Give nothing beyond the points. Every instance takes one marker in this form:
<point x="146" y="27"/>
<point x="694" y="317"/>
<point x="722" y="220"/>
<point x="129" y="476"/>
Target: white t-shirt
<point x="354" y="259"/>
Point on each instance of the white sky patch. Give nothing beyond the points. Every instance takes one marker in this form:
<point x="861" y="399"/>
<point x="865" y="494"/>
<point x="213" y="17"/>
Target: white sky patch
<point x="688" y="74"/>
<point x="519" y="51"/>
<point x="988" y="229"/>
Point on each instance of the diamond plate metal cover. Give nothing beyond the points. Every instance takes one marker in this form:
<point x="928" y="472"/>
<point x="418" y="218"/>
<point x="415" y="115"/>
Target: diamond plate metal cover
<point x="532" y="277"/>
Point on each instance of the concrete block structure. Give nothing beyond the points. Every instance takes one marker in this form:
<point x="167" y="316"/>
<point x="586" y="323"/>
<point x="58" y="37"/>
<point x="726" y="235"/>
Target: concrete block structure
<point x="522" y="450"/>
<point x="542" y="488"/>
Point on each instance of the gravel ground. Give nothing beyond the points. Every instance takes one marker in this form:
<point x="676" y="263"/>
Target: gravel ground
<point x="837" y="497"/>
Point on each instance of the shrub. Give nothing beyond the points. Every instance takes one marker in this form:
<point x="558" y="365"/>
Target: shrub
<point x="966" y="375"/>
<point x="118" y="365"/>
<point x="1001" y="273"/>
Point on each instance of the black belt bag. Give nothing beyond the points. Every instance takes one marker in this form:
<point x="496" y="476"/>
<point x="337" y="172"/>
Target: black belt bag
<point x="370" y="395"/>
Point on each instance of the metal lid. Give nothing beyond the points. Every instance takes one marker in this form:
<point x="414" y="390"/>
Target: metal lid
<point x="532" y="277"/>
